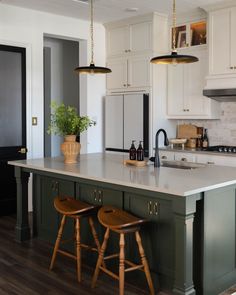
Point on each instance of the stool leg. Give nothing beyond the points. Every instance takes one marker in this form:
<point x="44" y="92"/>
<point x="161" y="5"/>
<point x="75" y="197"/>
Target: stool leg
<point x="145" y="263"/>
<point x="78" y="248"/>
<point x="94" y="233"/>
<point x="100" y="257"/>
<point x="122" y="264"/>
<point x="59" y="235"/>
<point x="95" y="237"/>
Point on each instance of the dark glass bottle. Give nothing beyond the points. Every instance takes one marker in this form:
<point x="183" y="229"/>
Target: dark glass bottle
<point x="205" y="140"/>
<point x="140" y="152"/>
<point x="132" y="151"/>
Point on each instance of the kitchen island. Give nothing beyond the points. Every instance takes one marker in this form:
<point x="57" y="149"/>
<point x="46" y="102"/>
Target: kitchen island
<point x="190" y="239"/>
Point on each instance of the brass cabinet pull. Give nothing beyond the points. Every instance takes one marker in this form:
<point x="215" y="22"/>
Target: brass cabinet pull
<point x="184" y="159"/>
<point x="95" y="195"/>
<point x="150" y="207"/>
<point x="155" y="207"/>
<point x="100" y="196"/>
<point x="128" y="85"/>
<point x="210" y="162"/>
<point x="234" y="68"/>
<point x="124" y="85"/>
<point x="164" y="157"/>
<point x="231" y="68"/>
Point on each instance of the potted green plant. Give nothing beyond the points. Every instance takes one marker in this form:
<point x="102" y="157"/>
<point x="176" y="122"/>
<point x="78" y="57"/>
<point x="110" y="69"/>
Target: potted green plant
<point x="66" y="122"/>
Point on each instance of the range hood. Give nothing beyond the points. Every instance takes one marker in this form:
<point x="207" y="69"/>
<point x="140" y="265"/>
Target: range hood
<point x="221" y="94"/>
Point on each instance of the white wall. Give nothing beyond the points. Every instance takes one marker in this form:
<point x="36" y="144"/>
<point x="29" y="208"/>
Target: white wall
<point x="26" y="28"/>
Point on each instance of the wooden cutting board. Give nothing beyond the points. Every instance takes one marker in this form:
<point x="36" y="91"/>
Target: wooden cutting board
<point x="187" y="131"/>
<point x="135" y="163"/>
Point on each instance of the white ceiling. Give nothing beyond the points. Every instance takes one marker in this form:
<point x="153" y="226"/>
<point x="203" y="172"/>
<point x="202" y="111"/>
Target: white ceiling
<point x="108" y="10"/>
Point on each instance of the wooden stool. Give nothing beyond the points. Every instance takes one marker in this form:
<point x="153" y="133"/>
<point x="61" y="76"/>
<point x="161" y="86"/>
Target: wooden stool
<point x="123" y="223"/>
<point x="75" y="209"/>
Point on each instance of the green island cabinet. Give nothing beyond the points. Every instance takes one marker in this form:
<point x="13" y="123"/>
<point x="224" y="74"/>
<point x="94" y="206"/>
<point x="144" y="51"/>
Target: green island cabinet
<point x="190" y="242"/>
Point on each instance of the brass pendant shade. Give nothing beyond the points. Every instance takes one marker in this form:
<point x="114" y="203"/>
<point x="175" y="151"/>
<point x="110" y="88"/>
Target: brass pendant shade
<point x="174" y="57"/>
<point x="92" y="69"/>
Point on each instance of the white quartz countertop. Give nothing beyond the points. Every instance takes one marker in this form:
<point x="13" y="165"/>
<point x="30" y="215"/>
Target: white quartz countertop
<point x="109" y="167"/>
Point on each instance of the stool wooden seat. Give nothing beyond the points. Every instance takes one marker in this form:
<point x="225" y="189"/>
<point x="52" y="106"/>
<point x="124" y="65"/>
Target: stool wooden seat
<point x="121" y="222"/>
<point x="75" y="209"/>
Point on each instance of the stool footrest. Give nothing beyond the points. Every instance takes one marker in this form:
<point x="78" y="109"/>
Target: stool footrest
<point x="66" y="254"/>
<point x="110" y="273"/>
<point x="87" y="247"/>
<point x="111" y="256"/>
<point x="137" y="267"/>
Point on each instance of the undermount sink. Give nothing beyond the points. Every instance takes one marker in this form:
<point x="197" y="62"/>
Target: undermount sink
<point x="182" y="165"/>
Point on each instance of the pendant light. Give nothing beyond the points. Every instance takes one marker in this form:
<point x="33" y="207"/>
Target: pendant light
<point x="174" y="57"/>
<point x="92" y="69"/>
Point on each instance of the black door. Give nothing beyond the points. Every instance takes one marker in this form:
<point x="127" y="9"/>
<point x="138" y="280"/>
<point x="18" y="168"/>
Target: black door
<point x="12" y="121"/>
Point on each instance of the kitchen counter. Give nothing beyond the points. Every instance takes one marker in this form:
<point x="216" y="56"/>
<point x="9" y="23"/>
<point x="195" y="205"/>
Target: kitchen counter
<point x="109" y="168"/>
<point x="190" y="237"/>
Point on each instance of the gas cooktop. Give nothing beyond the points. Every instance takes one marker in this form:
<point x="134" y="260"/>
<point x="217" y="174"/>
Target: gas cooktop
<point x="221" y="149"/>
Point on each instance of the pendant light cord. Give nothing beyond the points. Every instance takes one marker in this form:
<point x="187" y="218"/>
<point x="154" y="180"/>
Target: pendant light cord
<point x="91" y="32"/>
<point x="174" y="28"/>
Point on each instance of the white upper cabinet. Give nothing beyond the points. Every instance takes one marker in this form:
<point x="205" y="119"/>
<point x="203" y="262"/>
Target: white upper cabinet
<point x="132" y="73"/>
<point x="130" y="45"/>
<point x="222" y="48"/>
<point x="185" y="86"/>
<point x="118" y="78"/>
<point x="117" y="40"/>
<point x="132" y="38"/>
<point x="220" y="42"/>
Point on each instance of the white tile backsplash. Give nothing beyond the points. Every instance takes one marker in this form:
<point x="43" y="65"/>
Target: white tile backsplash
<point x="222" y="131"/>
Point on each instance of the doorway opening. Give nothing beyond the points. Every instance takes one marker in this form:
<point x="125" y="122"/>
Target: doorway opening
<point x="61" y="84"/>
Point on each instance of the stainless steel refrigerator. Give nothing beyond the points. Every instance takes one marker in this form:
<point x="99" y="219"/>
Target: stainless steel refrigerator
<point x="126" y="119"/>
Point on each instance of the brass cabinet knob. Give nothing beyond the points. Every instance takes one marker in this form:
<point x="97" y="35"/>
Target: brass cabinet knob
<point x="210" y="162"/>
<point x="234" y="68"/>
<point x="164" y="157"/>
<point x="231" y="68"/>
<point x="124" y="85"/>
<point x="184" y="159"/>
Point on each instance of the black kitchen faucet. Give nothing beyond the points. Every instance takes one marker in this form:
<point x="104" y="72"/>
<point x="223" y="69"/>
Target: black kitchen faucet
<point x="166" y="143"/>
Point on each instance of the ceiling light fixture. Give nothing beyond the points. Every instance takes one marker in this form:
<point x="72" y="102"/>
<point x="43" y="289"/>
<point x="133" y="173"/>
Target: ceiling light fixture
<point x="174" y="57"/>
<point x="92" y="69"/>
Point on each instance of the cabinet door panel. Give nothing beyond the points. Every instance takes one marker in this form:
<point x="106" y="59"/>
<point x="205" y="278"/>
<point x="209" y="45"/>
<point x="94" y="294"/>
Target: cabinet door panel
<point x="138" y="72"/>
<point x="220" y="42"/>
<point x="175" y="102"/>
<point x="114" y="122"/>
<point x="141" y="37"/>
<point x="117" y="79"/>
<point x="133" y="119"/>
<point x="194" y="82"/>
<point x="117" y="40"/>
<point x="157" y="235"/>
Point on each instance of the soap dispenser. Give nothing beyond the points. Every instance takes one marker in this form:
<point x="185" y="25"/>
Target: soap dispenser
<point x="140" y="152"/>
<point x="132" y="151"/>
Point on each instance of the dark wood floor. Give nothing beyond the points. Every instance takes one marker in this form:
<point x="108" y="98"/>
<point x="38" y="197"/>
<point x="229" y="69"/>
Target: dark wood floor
<point x="24" y="269"/>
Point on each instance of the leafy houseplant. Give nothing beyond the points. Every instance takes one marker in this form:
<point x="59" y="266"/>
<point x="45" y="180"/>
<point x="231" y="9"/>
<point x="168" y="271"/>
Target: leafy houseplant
<point x="66" y="122"/>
